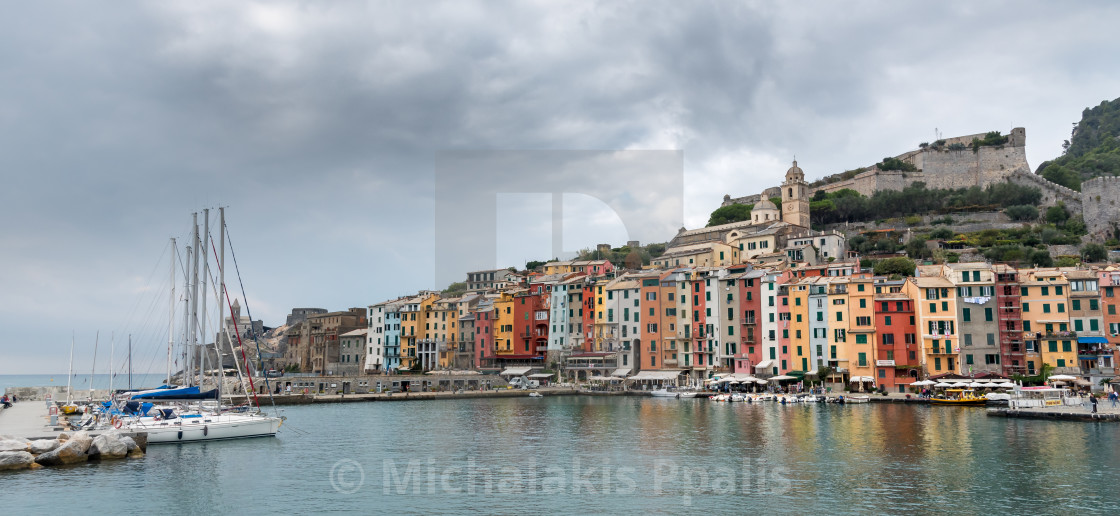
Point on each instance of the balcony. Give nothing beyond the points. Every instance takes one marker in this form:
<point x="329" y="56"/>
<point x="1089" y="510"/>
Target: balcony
<point x="1058" y="335"/>
<point x="748" y="321"/>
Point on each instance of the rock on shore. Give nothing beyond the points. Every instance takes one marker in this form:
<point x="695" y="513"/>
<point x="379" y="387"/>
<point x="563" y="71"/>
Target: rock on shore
<point x="72" y="448"/>
<point x="10" y="460"/>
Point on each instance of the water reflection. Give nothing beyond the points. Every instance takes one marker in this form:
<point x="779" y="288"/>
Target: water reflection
<point x="614" y="454"/>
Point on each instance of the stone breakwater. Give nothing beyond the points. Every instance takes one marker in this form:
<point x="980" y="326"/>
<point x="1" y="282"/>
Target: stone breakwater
<point x="69" y="448"/>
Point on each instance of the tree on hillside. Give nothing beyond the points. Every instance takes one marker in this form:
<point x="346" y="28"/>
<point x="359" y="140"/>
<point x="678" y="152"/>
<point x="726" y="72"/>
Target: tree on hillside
<point x="455" y="288"/>
<point x="1092" y="150"/>
<point x="1040" y="258"/>
<point x="898" y="265"/>
<point x="1057" y="215"/>
<point x="730" y="213"/>
<point x="895" y="164"/>
<point x="1093" y="253"/>
<point x="916" y="249"/>
<point x="532" y="265"/>
<point x="1021" y="212"/>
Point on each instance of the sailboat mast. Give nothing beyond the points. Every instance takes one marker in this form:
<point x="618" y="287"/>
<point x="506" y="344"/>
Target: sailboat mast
<point x="193" y="343"/>
<point x="171" y="314"/>
<point x="70" y="374"/>
<point x="204" y="251"/>
<point x="112" y="355"/>
<point x="130" y="361"/>
<point x="186" y="378"/>
<point x="221" y="297"/>
<point x="93" y="368"/>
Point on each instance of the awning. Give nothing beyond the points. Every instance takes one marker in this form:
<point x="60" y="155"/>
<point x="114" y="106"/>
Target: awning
<point x="796" y="374"/>
<point x="656" y="375"/>
<point x="541" y="375"/>
<point x="621" y="373"/>
<point x="765" y="364"/>
<point x="861" y="379"/>
<point x="516" y="371"/>
<point x="1092" y="340"/>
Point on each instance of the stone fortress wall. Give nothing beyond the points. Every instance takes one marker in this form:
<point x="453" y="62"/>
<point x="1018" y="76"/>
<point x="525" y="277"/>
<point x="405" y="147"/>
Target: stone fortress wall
<point x="752" y="199"/>
<point x="1098" y="201"/>
<point x="1100" y="205"/>
<point x="943" y="168"/>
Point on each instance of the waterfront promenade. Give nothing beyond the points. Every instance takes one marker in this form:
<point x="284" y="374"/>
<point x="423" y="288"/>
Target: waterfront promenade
<point x="26" y="419"/>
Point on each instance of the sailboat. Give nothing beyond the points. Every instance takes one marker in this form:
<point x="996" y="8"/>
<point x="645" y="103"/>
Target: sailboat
<point x="205" y="421"/>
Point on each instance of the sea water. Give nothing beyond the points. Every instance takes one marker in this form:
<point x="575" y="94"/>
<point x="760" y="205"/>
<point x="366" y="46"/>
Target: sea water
<point x="580" y="454"/>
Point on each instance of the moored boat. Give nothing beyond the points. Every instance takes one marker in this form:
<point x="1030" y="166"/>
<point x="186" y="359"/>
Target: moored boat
<point x="960" y="397"/>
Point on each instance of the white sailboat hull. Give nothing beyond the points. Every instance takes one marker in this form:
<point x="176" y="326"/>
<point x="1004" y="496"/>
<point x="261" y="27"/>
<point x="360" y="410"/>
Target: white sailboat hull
<point x="208" y="428"/>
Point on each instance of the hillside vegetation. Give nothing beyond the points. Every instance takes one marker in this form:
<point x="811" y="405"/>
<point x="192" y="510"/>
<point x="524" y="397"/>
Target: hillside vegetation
<point x="850" y="206"/>
<point x="1093" y="149"/>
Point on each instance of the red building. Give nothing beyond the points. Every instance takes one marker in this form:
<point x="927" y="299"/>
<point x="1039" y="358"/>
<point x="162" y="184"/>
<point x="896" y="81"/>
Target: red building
<point x="648" y="353"/>
<point x="484" y="334"/>
<point x="897" y="352"/>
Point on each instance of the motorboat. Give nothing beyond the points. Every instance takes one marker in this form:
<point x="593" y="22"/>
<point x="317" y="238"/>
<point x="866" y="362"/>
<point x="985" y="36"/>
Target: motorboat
<point x="960" y="397"/>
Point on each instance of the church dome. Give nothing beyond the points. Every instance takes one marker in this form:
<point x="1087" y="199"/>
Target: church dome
<point x="764" y="212"/>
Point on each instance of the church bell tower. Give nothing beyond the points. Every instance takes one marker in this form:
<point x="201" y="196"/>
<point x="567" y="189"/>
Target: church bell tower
<point x="795" y="197"/>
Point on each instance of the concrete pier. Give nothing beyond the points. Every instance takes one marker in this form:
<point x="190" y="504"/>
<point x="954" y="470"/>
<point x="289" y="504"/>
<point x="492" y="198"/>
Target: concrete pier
<point x="27" y="419"/>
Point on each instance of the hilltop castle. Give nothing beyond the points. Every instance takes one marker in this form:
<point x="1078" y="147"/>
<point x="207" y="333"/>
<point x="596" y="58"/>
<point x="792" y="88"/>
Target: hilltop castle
<point x="952" y="163"/>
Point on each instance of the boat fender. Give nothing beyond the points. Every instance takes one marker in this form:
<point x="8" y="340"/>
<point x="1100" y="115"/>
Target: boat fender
<point x="206" y="430"/>
<point x="117" y="424"/>
<point x="180" y="435"/>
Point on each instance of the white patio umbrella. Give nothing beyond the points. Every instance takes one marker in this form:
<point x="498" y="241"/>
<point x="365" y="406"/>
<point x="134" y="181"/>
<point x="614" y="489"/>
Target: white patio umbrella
<point x="1062" y="378"/>
<point x="1005" y="385"/>
<point x="977" y="385"/>
<point x="942" y="384"/>
<point x="781" y="377"/>
<point x="923" y="383"/>
<point x="761" y="381"/>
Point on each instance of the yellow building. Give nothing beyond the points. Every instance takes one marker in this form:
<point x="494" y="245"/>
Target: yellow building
<point x="936" y="321"/>
<point x="1045" y="298"/>
<point x="503" y="324"/>
<point x="414" y="323"/>
<point x="799" y="351"/>
<point x="752" y="242"/>
<point x="707" y="254"/>
<point x="444" y="330"/>
<point x="861" y="329"/>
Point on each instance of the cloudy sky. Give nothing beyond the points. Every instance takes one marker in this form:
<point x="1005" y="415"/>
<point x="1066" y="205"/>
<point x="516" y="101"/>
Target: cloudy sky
<point x="320" y="124"/>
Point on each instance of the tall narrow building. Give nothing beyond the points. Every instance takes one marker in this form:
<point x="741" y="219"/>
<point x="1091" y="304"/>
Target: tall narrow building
<point x="795" y="197"/>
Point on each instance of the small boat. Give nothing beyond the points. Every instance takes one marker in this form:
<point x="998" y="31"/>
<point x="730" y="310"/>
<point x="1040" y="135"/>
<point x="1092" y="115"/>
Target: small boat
<point x="998" y="398"/>
<point x="858" y="399"/>
<point x="960" y="397"/>
<point x="720" y="397"/>
<point x="686" y="394"/>
<point x="663" y="393"/>
<point x="536" y="395"/>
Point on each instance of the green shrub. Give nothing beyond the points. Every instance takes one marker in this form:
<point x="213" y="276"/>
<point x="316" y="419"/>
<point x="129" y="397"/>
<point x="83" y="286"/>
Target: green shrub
<point x="896" y="265"/>
<point x="941" y="233"/>
<point x="1021" y="212"/>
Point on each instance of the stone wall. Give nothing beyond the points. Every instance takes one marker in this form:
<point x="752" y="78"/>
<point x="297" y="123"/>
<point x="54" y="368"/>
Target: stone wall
<point x="1100" y="205"/>
<point x="1051" y="192"/>
<point x="944" y="169"/>
<point x="771" y="192"/>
